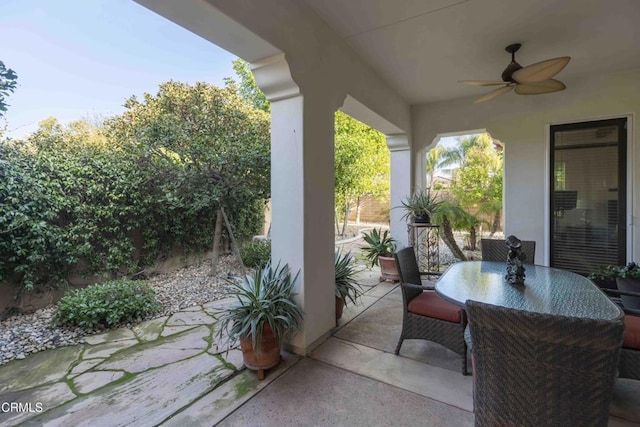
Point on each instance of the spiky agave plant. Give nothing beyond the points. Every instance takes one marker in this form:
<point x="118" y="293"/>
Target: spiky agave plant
<point x="347" y="287"/>
<point x="265" y="296"/>
<point x="378" y="244"/>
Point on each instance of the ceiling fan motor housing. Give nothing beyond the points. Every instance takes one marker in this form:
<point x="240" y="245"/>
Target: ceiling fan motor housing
<point x="513" y="65"/>
<point x="508" y="72"/>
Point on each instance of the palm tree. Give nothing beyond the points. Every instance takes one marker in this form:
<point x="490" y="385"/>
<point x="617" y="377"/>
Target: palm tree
<point x="452" y="217"/>
<point x="432" y="164"/>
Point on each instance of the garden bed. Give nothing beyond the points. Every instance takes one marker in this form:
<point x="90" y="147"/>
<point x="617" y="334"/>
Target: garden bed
<point x="23" y="334"/>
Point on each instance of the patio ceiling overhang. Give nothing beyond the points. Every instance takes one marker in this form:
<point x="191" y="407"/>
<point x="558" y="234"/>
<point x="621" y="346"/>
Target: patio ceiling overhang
<point x="396" y="65"/>
<point x="422" y="48"/>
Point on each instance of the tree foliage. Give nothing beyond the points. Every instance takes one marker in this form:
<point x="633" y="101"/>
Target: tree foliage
<point x="361" y="162"/>
<point x="247" y="88"/>
<point x="113" y="199"/>
<point x="8" y="83"/>
<point x="475" y="167"/>
<point x="477" y="184"/>
<point x="207" y="137"/>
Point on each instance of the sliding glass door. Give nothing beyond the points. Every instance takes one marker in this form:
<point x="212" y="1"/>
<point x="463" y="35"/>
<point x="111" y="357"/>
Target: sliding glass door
<point x="588" y="195"/>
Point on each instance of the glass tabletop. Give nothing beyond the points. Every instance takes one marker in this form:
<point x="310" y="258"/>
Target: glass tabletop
<point x="546" y="290"/>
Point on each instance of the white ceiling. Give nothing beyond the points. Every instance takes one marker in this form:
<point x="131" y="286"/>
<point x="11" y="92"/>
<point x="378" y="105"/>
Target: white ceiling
<point x="423" y="47"/>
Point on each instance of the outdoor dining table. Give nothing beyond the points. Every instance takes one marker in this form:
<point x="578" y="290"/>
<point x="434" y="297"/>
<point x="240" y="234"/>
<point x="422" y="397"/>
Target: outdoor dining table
<point x="546" y="290"/>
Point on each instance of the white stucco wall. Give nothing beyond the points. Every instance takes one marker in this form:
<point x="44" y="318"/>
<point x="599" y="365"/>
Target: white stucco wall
<point x="307" y="71"/>
<point x="521" y="123"/>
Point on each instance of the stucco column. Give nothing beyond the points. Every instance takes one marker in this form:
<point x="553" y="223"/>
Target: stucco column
<point x="400" y="184"/>
<point x="302" y="195"/>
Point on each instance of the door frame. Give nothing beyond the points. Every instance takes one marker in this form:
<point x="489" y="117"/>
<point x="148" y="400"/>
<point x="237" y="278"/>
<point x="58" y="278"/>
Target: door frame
<point x="630" y="181"/>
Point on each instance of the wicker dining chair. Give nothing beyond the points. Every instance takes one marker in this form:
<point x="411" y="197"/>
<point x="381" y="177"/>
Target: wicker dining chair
<point x="535" y="369"/>
<point x="629" y="365"/>
<point x="497" y="250"/>
<point x="426" y="316"/>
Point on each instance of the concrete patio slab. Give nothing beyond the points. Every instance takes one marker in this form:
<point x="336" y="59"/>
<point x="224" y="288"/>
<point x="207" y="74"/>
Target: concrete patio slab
<point x="353" y="310"/>
<point x="381" y="289"/>
<point x="395" y="295"/>
<point x="625" y="401"/>
<point x="315" y="394"/>
<point x="368" y="277"/>
<point x="378" y="327"/>
<point x="429" y="381"/>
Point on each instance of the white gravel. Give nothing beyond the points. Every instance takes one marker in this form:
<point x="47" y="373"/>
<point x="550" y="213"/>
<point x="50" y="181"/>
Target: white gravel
<point x="28" y="333"/>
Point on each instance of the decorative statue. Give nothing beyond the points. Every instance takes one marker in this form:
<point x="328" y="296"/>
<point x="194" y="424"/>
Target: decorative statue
<point x="515" y="260"/>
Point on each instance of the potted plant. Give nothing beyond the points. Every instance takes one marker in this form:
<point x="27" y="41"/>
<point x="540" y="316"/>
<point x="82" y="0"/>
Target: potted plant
<point x="627" y="279"/>
<point x="347" y="288"/>
<point x="420" y="206"/>
<point x="264" y="315"/>
<point x="379" y="251"/>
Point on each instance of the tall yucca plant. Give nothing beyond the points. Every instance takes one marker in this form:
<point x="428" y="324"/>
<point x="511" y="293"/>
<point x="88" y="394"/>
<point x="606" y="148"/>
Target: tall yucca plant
<point x="266" y="296"/>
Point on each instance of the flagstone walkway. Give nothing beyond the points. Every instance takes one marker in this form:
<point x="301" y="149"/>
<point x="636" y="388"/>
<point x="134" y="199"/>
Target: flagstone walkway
<point x="137" y="376"/>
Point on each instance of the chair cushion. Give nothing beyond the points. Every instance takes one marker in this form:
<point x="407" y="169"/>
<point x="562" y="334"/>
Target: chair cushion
<point x="631" y="332"/>
<point x="430" y="304"/>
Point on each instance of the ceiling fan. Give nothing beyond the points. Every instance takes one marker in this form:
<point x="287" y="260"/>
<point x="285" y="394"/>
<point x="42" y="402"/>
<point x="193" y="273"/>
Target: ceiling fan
<point x="533" y="79"/>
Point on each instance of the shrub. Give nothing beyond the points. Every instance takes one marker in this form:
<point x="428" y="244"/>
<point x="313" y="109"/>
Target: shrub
<point x="106" y="304"/>
<point x="629" y="271"/>
<point x="256" y="254"/>
<point x="74" y="199"/>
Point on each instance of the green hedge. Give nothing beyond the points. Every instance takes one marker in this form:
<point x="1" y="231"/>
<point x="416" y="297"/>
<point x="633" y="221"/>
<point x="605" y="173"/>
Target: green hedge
<point x="72" y="198"/>
<point x="256" y="254"/>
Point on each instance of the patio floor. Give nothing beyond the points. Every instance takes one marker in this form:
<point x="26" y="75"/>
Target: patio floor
<point x="172" y="371"/>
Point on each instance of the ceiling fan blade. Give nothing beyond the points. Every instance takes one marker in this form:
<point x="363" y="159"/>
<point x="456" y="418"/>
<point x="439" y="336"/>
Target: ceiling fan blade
<point x="540" y="71"/>
<point x="546" y="86"/>
<point x="493" y="94"/>
<point x="483" y="82"/>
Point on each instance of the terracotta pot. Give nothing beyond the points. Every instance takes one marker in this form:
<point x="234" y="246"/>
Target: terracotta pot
<point x="388" y="268"/>
<point x="339" y="308"/>
<point x="267" y="357"/>
<point x="629" y="285"/>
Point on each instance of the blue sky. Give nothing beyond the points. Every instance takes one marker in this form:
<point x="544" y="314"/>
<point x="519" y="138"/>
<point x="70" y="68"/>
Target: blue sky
<point x="82" y="58"/>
